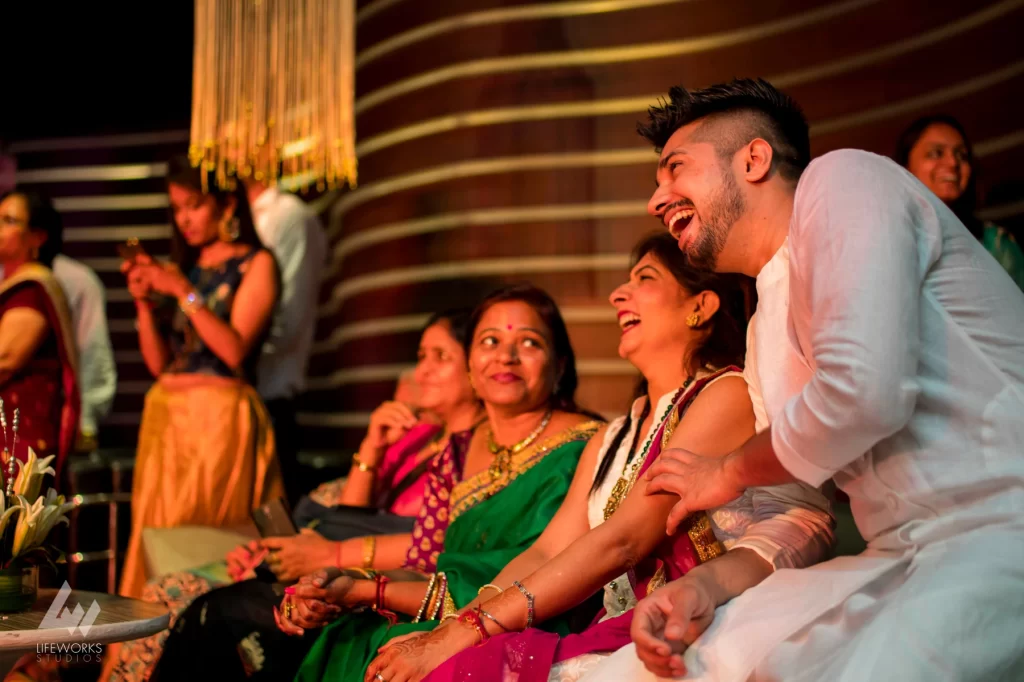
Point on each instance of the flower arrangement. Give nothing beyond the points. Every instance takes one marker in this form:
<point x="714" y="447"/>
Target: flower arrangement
<point x="26" y="515"/>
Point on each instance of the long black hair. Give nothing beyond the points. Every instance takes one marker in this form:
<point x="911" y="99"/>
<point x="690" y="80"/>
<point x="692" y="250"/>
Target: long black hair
<point x="42" y="217"/>
<point x="966" y="204"/>
<point x="564" y="395"/>
<point x="181" y="172"/>
<point x="724" y="342"/>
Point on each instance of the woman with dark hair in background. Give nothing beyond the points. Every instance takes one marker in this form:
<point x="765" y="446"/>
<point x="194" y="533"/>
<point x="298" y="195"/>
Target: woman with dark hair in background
<point x="206" y="448"/>
<point x="939" y="154"/>
<point x="38" y="358"/>
<point x="685" y="331"/>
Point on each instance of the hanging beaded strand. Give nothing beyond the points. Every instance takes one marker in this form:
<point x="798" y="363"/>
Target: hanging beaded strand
<point x="7" y="453"/>
<point x="3" y="424"/>
<point x="11" y="456"/>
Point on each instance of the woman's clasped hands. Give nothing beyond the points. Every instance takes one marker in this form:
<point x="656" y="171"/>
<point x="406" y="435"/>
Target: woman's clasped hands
<point x="313" y="602"/>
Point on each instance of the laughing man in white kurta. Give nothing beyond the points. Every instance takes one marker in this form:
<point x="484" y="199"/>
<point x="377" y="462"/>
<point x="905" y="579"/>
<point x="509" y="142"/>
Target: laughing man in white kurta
<point x="914" y="338"/>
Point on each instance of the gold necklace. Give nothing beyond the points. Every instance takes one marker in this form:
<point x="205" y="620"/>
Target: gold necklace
<point x="503" y="454"/>
<point x="629" y="474"/>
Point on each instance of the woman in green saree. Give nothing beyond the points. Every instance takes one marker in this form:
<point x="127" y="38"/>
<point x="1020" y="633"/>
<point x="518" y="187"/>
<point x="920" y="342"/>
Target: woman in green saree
<point x="517" y="469"/>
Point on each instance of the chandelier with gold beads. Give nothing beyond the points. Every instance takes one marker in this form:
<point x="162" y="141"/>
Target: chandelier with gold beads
<point x="273" y="91"/>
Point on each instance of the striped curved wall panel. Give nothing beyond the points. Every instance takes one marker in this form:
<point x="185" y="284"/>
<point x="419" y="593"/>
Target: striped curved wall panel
<point x="497" y="143"/>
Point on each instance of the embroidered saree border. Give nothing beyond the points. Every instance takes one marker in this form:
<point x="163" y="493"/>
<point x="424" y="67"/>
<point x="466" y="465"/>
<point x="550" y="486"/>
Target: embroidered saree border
<point x="482" y="486"/>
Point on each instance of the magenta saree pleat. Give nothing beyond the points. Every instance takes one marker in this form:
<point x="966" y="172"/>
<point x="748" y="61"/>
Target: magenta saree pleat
<point x="528" y="656"/>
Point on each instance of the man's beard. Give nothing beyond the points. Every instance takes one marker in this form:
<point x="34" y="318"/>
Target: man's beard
<point x="724" y="209"/>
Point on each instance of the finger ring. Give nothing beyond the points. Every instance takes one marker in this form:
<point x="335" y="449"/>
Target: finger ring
<point x="288" y="610"/>
<point x="379" y="677"/>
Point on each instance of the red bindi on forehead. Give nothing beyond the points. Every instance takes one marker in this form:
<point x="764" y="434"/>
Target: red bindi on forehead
<point x="508" y="327"/>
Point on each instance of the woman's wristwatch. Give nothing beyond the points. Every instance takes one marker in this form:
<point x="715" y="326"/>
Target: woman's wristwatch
<point x="363" y="466"/>
<point x="190" y="303"/>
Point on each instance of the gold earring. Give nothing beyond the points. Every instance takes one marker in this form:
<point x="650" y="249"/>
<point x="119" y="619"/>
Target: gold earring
<point x="693" y="320"/>
<point x="228" y="230"/>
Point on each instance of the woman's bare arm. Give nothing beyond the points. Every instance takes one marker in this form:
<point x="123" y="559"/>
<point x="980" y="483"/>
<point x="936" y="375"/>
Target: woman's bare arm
<point x="718" y="421"/>
<point x="151" y="344"/>
<point x="22" y="330"/>
<point x="250" y="313"/>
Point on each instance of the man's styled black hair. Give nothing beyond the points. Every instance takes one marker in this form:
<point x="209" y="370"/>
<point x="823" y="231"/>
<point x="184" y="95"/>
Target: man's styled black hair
<point x="751" y="108"/>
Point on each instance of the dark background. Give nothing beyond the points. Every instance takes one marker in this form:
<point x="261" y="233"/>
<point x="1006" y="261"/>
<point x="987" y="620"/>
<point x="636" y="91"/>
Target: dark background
<point x="95" y="68"/>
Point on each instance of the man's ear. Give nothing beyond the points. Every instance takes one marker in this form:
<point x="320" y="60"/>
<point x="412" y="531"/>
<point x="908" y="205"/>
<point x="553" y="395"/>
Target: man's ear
<point x="758" y="155"/>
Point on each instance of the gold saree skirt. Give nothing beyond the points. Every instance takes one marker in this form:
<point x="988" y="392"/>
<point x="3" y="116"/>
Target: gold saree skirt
<point x="206" y="457"/>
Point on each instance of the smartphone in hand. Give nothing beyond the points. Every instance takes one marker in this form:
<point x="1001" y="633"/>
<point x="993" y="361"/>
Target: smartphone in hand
<point x="130" y="250"/>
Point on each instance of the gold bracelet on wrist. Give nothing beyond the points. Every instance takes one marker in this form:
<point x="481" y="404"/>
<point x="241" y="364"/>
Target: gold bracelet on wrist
<point x="369" y="551"/>
<point x="362" y="466"/>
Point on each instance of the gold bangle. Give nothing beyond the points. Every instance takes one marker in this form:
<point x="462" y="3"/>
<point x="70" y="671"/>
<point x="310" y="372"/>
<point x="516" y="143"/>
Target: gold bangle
<point x="369" y="550"/>
<point x="362" y="466"/>
<point x="364" y="573"/>
<point x="490" y="586"/>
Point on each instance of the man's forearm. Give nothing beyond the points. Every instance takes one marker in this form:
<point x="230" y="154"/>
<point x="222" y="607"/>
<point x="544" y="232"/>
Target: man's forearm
<point x="755" y="464"/>
<point x="730" y="575"/>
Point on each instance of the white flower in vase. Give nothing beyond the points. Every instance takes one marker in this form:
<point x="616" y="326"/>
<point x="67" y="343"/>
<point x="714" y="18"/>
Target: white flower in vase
<point x="6" y="514"/>
<point x="29" y="481"/>
<point x="37" y="520"/>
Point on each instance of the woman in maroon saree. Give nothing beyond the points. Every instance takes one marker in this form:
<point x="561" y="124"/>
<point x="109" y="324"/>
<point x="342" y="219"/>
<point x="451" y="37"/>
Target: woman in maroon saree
<point x="38" y="359"/>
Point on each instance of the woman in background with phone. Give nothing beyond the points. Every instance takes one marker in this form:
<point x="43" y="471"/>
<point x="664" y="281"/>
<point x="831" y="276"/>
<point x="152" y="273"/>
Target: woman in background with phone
<point x="206" y="451"/>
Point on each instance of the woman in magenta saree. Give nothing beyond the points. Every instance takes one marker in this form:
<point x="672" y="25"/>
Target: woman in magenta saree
<point x="675" y="323"/>
<point x="38" y="359"/>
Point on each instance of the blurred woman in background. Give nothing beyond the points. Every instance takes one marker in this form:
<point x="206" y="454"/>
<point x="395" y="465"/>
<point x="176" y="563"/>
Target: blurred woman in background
<point x="206" y="448"/>
<point x="389" y="475"/>
<point x="38" y="358"/>
<point x="936" y="150"/>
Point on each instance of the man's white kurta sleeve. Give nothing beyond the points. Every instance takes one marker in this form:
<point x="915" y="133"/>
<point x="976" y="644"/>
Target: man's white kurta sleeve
<point x="858" y="256"/>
